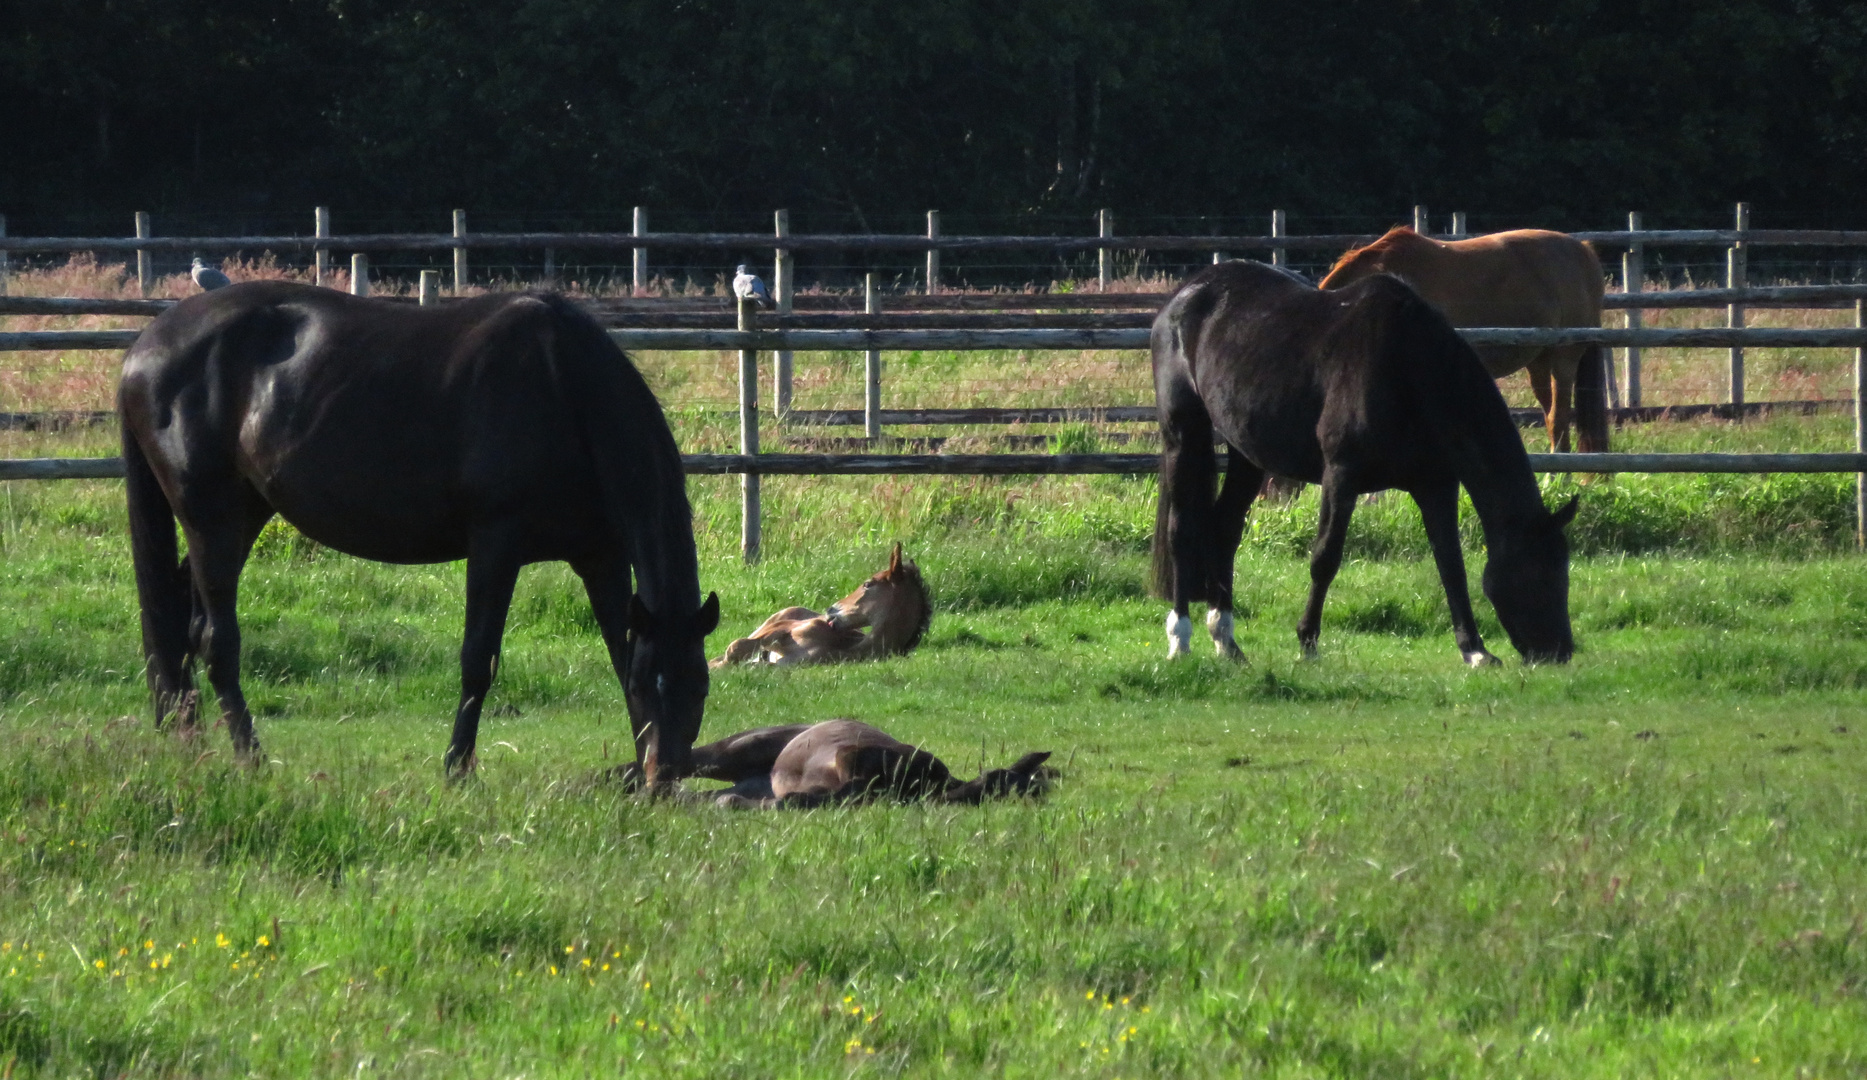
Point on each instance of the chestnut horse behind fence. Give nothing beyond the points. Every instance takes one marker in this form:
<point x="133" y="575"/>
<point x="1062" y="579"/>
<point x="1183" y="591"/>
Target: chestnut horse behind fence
<point x="1526" y="277"/>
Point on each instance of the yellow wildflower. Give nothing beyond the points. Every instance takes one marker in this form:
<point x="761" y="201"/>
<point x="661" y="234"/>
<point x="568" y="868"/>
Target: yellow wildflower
<point x="149" y="945"/>
<point x="554" y="969"/>
<point x="264" y="942"/>
<point x="222" y="941"/>
<point x="99" y="964"/>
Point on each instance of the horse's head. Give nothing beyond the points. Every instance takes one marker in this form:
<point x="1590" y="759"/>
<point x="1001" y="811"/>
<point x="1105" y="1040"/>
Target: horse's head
<point x="1366" y="261"/>
<point x="667" y="685"/>
<point x="1527" y="581"/>
<point x="896" y="599"/>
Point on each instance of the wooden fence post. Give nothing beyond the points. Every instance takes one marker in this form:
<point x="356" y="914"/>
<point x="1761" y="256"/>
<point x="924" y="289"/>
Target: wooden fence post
<point x="933" y="254"/>
<point x="1736" y="276"/>
<point x="142" y="257"/>
<point x="1458" y="223"/>
<point x="1633" y="280"/>
<point x="359" y="274"/>
<point x="460" y="254"/>
<point x="749" y="514"/>
<point x="1105" y="226"/>
<point x="1860" y="430"/>
<point x="321" y="258"/>
<point x="1279" y="256"/>
<point x="639" y="256"/>
<point x="430" y="293"/>
<point x="4" y="268"/>
<point x="871" y="367"/>
<point x="1420" y="224"/>
<point x="783" y="274"/>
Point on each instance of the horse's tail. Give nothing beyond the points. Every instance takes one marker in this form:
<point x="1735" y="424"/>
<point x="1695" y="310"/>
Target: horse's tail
<point x="163" y="588"/>
<point x="1591" y="401"/>
<point x="1161" y="580"/>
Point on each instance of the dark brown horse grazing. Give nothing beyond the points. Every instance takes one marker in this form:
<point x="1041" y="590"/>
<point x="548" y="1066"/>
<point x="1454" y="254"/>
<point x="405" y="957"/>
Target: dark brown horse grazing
<point x="1524" y="277"/>
<point x="504" y="430"/>
<point x="1359" y="389"/>
<point x="801" y="765"/>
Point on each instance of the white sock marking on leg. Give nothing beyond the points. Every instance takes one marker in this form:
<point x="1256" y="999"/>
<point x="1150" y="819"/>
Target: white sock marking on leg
<point x="1219" y="625"/>
<point x="1179" y="634"/>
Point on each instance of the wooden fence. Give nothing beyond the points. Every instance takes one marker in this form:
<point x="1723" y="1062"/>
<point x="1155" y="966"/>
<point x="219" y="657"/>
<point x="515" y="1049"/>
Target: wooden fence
<point x="873" y="332"/>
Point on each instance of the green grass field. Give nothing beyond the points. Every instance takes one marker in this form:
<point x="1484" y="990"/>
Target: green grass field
<point x="1380" y="864"/>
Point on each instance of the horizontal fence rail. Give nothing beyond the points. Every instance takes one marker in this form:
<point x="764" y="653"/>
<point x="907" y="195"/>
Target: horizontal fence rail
<point x="804" y="419"/>
<point x="978" y="311"/>
<point x="902" y="242"/>
<point x="688" y="340"/>
<point x="1060" y="464"/>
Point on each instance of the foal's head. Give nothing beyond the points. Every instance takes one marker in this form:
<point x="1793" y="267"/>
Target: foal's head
<point x="895" y="602"/>
<point x="1527" y="581"/>
<point x="666" y="689"/>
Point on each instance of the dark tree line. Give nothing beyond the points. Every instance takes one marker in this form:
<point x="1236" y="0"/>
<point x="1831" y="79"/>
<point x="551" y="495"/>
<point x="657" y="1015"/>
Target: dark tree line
<point x="1560" y="110"/>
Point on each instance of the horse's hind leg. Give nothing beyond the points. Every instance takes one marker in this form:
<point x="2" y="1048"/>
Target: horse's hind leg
<point x="1338" y="504"/>
<point x="1242" y="482"/>
<point x="219" y="539"/>
<point x="1187" y="474"/>
<point x="492" y="571"/>
<point x="1439" y="510"/>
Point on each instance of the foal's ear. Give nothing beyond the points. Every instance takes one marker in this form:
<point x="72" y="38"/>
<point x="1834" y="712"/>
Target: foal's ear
<point x="1565" y="515"/>
<point x="894" y="561"/>
<point x="708" y="620"/>
<point x="641" y="620"/>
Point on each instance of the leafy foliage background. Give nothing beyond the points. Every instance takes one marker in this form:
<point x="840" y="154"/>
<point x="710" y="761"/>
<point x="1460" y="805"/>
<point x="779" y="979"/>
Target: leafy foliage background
<point x="874" y="111"/>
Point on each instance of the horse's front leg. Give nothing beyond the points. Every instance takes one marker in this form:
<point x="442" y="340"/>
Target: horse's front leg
<point x="1338" y="504"/>
<point x="1439" y="509"/>
<point x="1242" y="482"/>
<point x="1553" y="395"/>
<point x="492" y="571"/>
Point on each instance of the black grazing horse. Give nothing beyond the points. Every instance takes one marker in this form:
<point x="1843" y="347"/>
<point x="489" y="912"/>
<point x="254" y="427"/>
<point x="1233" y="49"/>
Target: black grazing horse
<point x="504" y="430"/>
<point x="1359" y="389"/>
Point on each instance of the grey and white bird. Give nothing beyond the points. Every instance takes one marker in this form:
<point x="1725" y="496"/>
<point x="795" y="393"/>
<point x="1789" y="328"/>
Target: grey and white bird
<point x="207" y="277"/>
<point x="748" y="286"/>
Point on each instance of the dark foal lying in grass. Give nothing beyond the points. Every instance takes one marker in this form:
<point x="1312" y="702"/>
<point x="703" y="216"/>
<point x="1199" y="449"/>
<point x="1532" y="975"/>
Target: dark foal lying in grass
<point x="802" y="765"/>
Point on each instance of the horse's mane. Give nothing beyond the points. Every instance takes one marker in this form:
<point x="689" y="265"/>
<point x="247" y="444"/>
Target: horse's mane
<point x="1389" y="240"/>
<point x="910" y="574"/>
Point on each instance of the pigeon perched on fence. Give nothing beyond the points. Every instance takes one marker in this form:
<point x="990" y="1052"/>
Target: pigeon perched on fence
<point x="207" y="277"/>
<point x="748" y="286"/>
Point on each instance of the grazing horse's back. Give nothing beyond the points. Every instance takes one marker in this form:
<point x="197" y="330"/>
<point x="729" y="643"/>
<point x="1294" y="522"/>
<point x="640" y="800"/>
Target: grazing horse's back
<point x="504" y="430"/>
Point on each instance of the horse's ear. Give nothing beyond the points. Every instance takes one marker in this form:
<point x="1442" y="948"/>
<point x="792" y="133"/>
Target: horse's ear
<point x="1565" y="515"/>
<point x="709" y="618"/>
<point x="894" y="561"/>
<point x="641" y="620"/>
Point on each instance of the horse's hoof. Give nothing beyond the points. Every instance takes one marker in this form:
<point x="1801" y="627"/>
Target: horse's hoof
<point x="1479" y="658"/>
<point x="1230" y="651"/>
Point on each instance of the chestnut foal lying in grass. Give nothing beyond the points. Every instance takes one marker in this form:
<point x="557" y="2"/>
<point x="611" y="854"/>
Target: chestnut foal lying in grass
<point x="893" y="604"/>
<point x="802" y="765"/>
